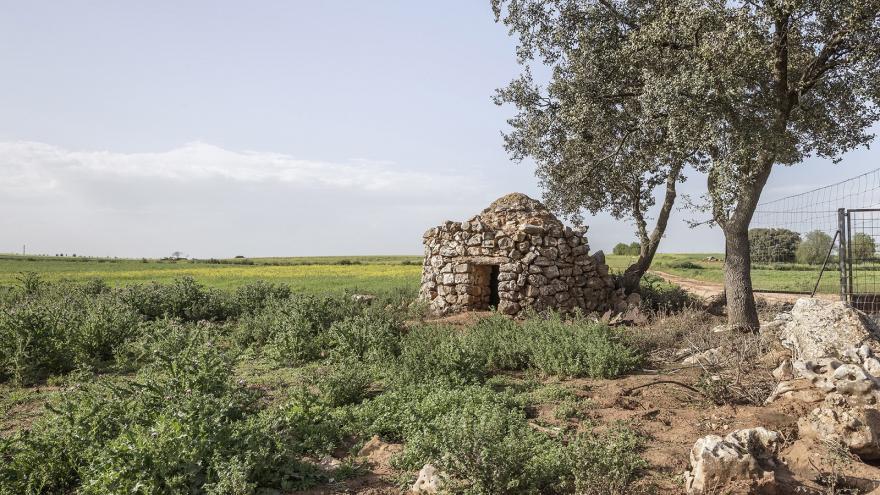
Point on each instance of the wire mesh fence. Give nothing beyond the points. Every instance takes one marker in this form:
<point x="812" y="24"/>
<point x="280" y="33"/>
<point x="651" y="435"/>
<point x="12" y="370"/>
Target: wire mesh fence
<point x="861" y="280"/>
<point x="796" y="241"/>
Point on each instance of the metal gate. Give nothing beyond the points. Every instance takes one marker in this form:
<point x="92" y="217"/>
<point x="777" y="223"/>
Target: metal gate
<point x="858" y="258"/>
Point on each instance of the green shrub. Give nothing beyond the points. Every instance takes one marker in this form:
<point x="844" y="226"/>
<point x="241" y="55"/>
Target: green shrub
<point x="343" y="383"/>
<point x="30" y="283"/>
<point x="577" y="348"/>
<point x="773" y="245"/>
<point x="438" y="354"/>
<point x="487" y="448"/>
<point x="606" y="463"/>
<point x="183" y="425"/>
<point x="106" y="325"/>
<point x="373" y="336"/>
<point x="403" y="411"/>
<point x="501" y="341"/>
<point x="294" y="329"/>
<point x="184" y="298"/>
<point x="661" y="296"/>
<point x="154" y="338"/>
<point x="95" y="287"/>
<point x="686" y="265"/>
<point x="253" y="297"/>
<point x="34" y="337"/>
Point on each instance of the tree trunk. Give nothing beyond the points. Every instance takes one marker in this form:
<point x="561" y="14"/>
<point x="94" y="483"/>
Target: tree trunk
<point x="741" y="311"/>
<point x="632" y="276"/>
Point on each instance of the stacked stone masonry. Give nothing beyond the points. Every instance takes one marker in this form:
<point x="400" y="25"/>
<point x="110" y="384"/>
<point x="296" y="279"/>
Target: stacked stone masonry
<point x="515" y="255"/>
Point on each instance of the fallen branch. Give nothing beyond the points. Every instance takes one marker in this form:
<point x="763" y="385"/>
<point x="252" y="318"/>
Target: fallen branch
<point x="672" y="382"/>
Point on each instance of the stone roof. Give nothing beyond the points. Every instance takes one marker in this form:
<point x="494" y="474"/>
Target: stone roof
<point x="518" y="209"/>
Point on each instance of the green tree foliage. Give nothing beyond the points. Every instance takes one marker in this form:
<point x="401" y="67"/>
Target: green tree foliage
<point x="814" y="247"/>
<point x="632" y="249"/>
<point x="773" y="245"/>
<point x="863" y="246"/>
<point x="731" y="87"/>
<point x="596" y="144"/>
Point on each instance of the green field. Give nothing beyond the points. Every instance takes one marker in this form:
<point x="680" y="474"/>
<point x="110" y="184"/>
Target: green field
<point x="319" y="274"/>
<point x="367" y="273"/>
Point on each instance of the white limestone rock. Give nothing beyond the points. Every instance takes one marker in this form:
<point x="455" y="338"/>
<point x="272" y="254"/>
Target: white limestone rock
<point x="748" y="455"/>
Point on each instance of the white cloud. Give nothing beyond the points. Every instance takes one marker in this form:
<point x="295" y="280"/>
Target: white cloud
<point x="30" y="168"/>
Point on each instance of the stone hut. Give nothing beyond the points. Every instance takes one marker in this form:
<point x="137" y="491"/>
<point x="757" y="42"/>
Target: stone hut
<point x="514" y="255"/>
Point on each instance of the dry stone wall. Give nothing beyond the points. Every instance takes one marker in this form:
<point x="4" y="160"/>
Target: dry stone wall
<point x="514" y="255"/>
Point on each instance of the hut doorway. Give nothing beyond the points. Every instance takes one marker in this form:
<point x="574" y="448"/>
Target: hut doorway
<point x="485" y="281"/>
<point x="494" y="299"/>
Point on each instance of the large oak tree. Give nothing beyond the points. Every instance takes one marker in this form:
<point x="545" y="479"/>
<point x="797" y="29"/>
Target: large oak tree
<point x="735" y="87"/>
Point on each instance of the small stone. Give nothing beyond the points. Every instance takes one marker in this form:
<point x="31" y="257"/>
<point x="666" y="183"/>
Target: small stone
<point x="428" y="480"/>
<point x="532" y="229"/>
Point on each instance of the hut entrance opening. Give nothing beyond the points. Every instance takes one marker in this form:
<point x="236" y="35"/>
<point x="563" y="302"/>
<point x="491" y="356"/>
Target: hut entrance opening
<point x="486" y="284"/>
<point x="493" y="286"/>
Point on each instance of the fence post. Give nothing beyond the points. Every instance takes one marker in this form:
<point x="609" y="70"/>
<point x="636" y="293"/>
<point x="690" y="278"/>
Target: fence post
<point x="841" y="252"/>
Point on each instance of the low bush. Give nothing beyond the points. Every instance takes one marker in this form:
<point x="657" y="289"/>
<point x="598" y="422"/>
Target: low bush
<point x="183" y="425"/>
<point x="441" y="354"/>
<point x="343" y="383"/>
<point x="294" y="330"/>
<point x="34" y="337"/>
<point x="685" y="265"/>
<point x="105" y="325"/>
<point x="373" y="336"/>
<point x="253" y="297"/>
<point x="661" y="296"/>
<point x="483" y="441"/>
<point x="486" y="448"/>
<point x="184" y="298"/>
<point x="606" y="463"/>
<point x="574" y="347"/>
<point x="577" y="348"/>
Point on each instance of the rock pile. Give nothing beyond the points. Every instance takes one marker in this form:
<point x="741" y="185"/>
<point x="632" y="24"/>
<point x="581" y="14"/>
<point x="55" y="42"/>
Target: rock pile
<point x="816" y="328"/>
<point x="515" y="255"/>
<point x="834" y="370"/>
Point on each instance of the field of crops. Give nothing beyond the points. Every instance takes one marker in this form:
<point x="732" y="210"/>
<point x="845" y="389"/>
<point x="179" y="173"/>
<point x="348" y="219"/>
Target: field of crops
<point x="315" y="275"/>
<point x="364" y="273"/>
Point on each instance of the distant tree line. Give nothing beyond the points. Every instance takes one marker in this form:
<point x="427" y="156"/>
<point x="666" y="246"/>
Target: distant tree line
<point x="777" y="245"/>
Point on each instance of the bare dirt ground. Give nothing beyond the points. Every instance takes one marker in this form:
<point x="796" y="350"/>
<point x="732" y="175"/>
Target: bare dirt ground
<point x="709" y="290"/>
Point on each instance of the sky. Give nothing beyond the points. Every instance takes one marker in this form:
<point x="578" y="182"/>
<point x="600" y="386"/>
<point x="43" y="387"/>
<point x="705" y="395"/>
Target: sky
<point x="270" y="128"/>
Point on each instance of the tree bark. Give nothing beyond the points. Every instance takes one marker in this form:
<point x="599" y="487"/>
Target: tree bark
<point x="742" y="313"/>
<point x="632" y="276"/>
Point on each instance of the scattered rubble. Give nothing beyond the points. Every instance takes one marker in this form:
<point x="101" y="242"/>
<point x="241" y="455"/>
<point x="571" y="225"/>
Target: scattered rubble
<point x="856" y="427"/>
<point x="832" y="366"/>
<point x="853" y="375"/>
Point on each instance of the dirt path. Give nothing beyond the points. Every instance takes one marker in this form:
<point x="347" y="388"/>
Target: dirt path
<point x="711" y="289"/>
